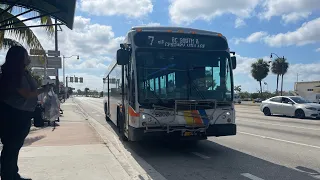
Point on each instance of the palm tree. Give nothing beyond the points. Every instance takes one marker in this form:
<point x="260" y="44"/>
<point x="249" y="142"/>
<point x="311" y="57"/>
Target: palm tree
<point x="259" y="71"/>
<point x="22" y="34"/>
<point x="276" y="69"/>
<point x="237" y="88"/>
<point x="279" y="67"/>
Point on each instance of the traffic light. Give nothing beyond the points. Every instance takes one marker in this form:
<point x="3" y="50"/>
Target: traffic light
<point x="81" y="79"/>
<point x="76" y="79"/>
<point x="71" y="79"/>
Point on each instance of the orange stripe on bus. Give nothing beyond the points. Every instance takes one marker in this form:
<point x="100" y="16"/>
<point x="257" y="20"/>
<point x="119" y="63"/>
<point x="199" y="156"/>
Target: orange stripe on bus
<point x="196" y="117"/>
<point x="132" y="112"/>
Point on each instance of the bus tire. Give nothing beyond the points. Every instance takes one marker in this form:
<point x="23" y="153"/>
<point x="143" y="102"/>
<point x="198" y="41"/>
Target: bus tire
<point x="121" y="127"/>
<point x="118" y="120"/>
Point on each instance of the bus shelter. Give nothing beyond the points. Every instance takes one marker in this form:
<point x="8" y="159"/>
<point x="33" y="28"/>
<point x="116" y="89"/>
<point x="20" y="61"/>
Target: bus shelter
<point x="61" y="10"/>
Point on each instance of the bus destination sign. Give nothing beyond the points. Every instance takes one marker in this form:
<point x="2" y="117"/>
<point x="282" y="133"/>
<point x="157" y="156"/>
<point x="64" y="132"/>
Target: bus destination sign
<point x="179" y="41"/>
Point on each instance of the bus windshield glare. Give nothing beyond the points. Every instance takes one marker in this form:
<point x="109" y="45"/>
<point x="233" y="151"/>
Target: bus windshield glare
<point x="169" y="74"/>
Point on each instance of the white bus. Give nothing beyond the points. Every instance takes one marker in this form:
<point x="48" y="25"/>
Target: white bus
<point x="175" y="82"/>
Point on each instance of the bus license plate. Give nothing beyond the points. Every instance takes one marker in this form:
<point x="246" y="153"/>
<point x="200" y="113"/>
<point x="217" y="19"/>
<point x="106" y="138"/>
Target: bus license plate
<point x="187" y="133"/>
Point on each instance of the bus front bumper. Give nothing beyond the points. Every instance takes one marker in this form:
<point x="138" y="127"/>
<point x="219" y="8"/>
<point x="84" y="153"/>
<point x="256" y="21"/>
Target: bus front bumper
<point x="137" y="134"/>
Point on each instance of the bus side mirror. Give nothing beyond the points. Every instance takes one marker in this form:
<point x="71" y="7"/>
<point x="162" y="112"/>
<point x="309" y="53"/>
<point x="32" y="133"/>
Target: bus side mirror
<point x="122" y="57"/>
<point x="234" y="62"/>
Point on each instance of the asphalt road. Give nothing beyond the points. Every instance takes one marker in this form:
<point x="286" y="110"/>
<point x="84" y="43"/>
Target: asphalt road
<point x="265" y="148"/>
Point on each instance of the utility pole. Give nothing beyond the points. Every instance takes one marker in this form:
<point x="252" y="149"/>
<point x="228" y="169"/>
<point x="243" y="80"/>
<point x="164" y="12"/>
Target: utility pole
<point x="56" y="49"/>
<point x="282" y="75"/>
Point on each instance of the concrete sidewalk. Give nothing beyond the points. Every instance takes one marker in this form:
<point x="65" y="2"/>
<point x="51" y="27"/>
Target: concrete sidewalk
<point x="72" y="151"/>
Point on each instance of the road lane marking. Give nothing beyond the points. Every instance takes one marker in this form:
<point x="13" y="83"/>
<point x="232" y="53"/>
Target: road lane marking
<point x="281" y="140"/>
<point x="201" y="155"/>
<point x="250" y="176"/>
<point x="316" y="129"/>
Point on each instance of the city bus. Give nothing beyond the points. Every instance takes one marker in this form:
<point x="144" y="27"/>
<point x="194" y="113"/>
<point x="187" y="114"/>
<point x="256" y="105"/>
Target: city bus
<point x="174" y="82"/>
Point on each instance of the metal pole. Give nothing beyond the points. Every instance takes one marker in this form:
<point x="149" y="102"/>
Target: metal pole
<point x="282" y="75"/>
<point x="45" y="70"/>
<point x="66" y="89"/>
<point x="56" y="49"/>
<point x="64" y="75"/>
<point x="108" y="96"/>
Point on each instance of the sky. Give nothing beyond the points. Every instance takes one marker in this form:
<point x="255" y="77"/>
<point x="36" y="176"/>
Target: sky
<point x="254" y="29"/>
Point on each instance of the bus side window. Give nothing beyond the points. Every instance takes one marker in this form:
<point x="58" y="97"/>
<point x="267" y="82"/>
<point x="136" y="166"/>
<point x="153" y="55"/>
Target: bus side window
<point x="132" y="91"/>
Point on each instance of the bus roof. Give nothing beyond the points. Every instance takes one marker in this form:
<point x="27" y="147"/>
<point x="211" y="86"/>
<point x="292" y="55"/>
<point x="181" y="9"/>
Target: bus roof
<point x="174" y="29"/>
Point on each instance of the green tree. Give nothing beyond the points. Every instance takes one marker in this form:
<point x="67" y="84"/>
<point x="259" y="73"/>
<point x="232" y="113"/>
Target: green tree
<point x="279" y="67"/>
<point x="259" y="71"/>
<point x="79" y="92"/>
<point x="244" y="95"/>
<point x="237" y="88"/>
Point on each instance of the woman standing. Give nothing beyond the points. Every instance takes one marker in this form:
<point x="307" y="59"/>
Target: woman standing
<point x="19" y="95"/>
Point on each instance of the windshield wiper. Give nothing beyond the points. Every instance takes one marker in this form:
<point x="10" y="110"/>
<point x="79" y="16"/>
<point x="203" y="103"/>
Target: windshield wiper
<point x="155" y="94"/>
<point x="194" y="86"/>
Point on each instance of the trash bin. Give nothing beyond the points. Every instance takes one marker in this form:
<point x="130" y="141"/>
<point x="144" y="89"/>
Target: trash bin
<point x="38" y="118"/>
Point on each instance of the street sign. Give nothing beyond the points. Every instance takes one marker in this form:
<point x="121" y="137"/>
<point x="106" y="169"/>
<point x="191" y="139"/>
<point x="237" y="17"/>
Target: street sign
<point x="37" y="52"/>
<point x="53" y="53"/>
<point x="50" y="72"/>
<point x="54" y="62"/>
<point x="36" y="61"/>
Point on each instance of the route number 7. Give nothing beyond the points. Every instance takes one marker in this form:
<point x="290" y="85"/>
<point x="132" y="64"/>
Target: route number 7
<point x="151" y="38"/>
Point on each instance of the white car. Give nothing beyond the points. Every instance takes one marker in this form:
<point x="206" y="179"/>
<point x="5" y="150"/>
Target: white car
<point x="294" y="106"/>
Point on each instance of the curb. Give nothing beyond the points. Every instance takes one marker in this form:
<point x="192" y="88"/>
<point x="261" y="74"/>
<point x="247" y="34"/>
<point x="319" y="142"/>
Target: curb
<point x="134" y="165"/>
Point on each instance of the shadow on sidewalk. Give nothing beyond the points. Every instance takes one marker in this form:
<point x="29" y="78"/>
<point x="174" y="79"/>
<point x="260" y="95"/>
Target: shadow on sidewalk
<point x="30" y="140"/>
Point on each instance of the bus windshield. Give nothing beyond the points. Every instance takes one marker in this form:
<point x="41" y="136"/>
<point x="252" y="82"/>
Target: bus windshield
<point x="165" y="75"/>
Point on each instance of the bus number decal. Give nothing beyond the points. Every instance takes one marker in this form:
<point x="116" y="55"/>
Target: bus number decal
<point x="151" y="38"/>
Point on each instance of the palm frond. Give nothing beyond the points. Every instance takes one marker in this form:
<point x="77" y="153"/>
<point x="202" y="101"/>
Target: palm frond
<point x="24" y="34"/>
<point x="45" y="20"/>
<point x="7" y="43"/>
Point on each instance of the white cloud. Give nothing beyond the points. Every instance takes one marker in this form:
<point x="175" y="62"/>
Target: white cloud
<point x="254" y="37"/>
<point x="93" y="82"/>
<point x="153" y="24"/>
<point x="295" y="17"/>
<point x="188" y="11"/>
<point x="301" y="8"/>
<point x="239" y="23"/>
<point x="308" y="33"/>
<point x="96" y="45"/>
<point x="318" y="50"/>
<point x="129" y="8"/>
<point x="306" y="72"/>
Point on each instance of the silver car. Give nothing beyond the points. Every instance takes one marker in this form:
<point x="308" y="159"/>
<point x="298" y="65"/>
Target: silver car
<point x="294" y="106"/>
